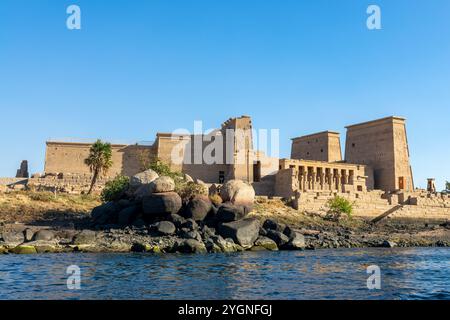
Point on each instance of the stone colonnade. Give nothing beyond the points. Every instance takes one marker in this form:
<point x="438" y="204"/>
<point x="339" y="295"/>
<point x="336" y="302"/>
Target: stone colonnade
<point x="324" y="178"/>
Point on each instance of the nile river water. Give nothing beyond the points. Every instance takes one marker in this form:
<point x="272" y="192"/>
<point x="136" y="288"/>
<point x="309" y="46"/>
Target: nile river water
<point x="415" y="273"/>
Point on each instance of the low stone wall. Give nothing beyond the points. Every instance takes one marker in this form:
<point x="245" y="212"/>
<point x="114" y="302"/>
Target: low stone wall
<point x="371" y="204"/>
<point x="422" y="213"/>
<point x="74" y="184"/>
<point x="429" y="199"/>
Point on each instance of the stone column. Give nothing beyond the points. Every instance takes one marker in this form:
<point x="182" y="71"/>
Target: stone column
<point x="329" y="181"/>
<point x="305" y="180"/>
<point x="338" y="182"/>
<point x="314" y="179"/>
<point x="322" y="180"/>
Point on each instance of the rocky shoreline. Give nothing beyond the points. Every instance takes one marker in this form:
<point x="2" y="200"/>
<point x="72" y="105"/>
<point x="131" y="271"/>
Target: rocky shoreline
<point x="22" y="239"/>
<point x="150" y="216"/>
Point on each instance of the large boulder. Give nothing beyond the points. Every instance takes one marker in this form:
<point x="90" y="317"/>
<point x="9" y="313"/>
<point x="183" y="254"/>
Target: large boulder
<point x="238" y="192"/>
<point x="127" y="215"/>
<point x="24" y="249"/>
<point x="161" y="204"/>
<point x="266" y="243"/>
<point x="165" y="228"/>
<point x="143" y="191"/>
<point x="141" y="178"/>
<point x="12" y="237"/>
<point x="198" y="208"/>
<point x="228" y="212"/>
<point x="388" y="244"/>
<point x="163" y="184"/>
<point x="280" y="238"/>
<point x="105" y="213"/>
<point x="296" y="241"/>
<point x="225" y="245"/>
<point x="243" y="232"/>
<point x="191" y="246"/>
<point x="273" y="225"/>
<point x="43" y="235"/>
<point x="28" y="234"/>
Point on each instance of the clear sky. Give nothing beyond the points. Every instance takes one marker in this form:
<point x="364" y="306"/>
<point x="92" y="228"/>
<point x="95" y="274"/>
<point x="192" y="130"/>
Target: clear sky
<point x="138" y="67"/>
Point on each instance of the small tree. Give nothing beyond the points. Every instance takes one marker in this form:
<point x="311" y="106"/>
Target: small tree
<point x="99" y="161"/>
<point x="447" y="186"/>
<point x="338" y="206"/>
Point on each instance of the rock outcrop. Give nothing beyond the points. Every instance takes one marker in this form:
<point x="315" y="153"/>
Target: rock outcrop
<point x="151" y="217"/>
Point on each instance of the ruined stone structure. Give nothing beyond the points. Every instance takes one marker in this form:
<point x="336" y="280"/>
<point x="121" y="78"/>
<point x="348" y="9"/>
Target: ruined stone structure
<point x="22" y="172"/>
<point x="431" y="185"/>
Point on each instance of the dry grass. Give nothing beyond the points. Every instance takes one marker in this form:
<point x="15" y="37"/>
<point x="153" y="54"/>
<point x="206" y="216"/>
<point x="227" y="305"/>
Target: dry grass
<point x="32" y="207"/>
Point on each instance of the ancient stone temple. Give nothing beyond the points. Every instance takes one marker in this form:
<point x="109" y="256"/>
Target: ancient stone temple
<point x="376" y="157"/>
<point x="374" y="174"/>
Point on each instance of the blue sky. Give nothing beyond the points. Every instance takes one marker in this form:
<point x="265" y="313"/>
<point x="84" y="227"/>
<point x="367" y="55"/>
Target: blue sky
<point x="138" y="67"/>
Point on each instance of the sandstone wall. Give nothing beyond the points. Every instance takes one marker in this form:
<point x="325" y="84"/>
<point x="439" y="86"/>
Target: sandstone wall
<point x="68" y="158"/>
<point x="381" y="144"/>
<point x="322" y="146"/>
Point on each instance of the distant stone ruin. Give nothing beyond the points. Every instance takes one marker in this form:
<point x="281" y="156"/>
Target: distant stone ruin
<point x="22" y="172"/>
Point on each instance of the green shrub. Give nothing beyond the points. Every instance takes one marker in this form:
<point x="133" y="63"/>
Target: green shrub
<point x="163" y="169"/>
<point x="447" y="186"/>
<point x="188" y="190"/>
<point x="337" y="207"/>
<point x="115" y="188"/>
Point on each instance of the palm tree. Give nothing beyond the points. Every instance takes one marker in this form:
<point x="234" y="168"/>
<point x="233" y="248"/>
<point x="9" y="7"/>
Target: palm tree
<point x="99" y="160"/>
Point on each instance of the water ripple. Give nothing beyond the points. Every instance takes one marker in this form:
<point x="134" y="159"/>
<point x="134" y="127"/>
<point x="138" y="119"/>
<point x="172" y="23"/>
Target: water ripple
<point x="413" y="273"/>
